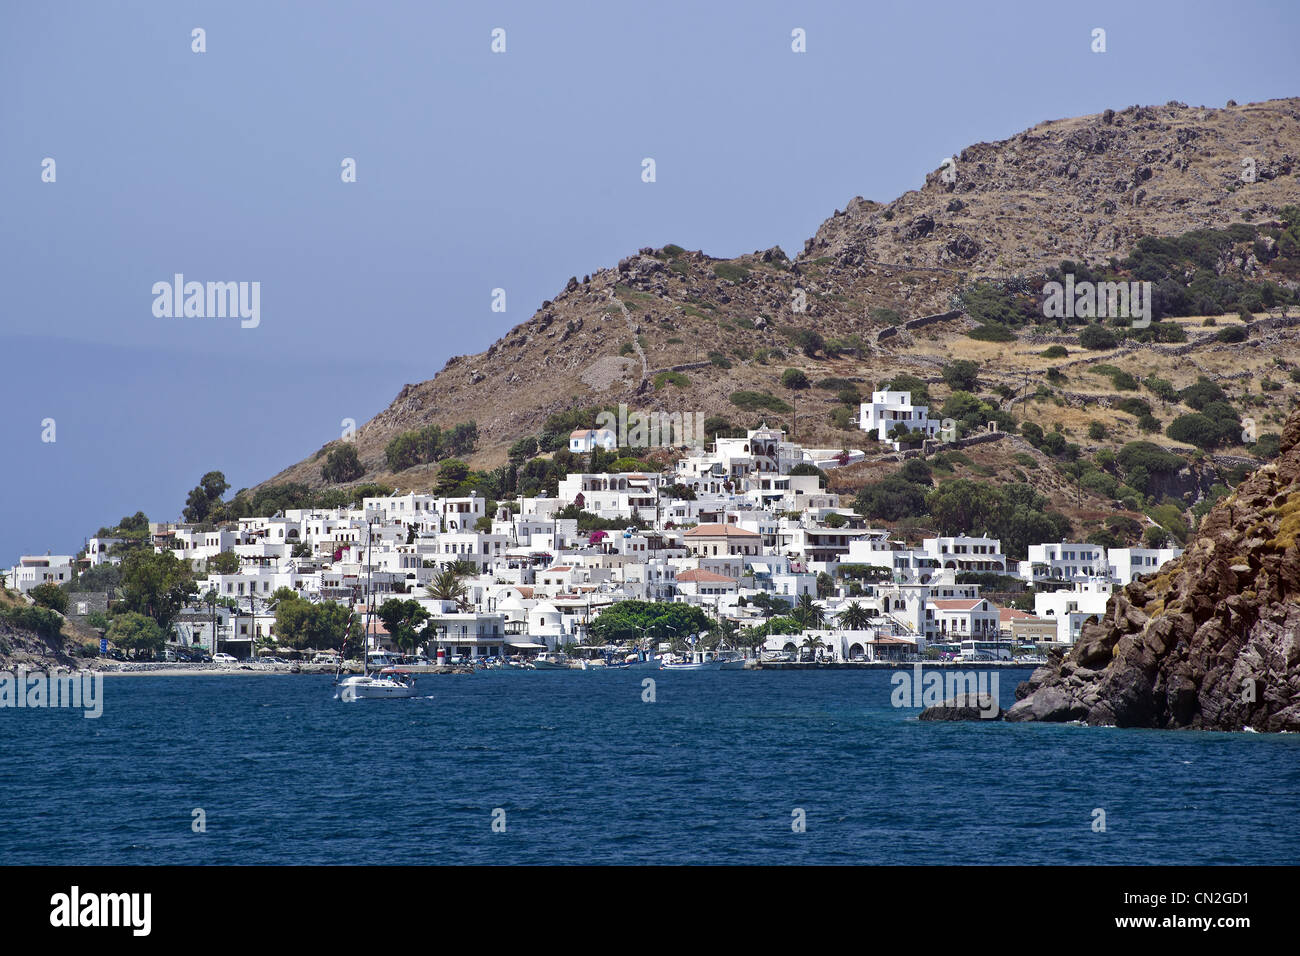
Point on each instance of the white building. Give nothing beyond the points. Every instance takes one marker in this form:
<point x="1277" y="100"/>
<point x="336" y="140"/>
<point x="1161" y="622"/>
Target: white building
<point x="625" y="495"/>
<point x="890" y="410"/>
<point x="585" y="439"/>
<point x="1129" y="563"/>
<point x="965" y="553"/>
<point x="1065" y="561"/>
<point x="97" y="551"/>
<point x="33" y="570"/>
<point x="1071" y="608"/>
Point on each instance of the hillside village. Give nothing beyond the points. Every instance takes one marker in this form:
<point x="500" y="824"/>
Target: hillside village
<point x="901" y="443"/>
<point x="741" y="531"/>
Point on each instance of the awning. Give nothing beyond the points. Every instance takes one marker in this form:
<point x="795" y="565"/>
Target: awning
<point x="526" y="645"/>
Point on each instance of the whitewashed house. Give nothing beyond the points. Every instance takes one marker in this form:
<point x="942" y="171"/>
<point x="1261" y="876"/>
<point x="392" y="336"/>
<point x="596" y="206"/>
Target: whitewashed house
<point x="1070" y="609"/>
<point x="890" y="410"/>
<point x="583" y="440"/>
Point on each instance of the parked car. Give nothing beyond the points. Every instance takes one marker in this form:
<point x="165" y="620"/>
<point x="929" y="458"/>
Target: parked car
<point x="224" y="659"/>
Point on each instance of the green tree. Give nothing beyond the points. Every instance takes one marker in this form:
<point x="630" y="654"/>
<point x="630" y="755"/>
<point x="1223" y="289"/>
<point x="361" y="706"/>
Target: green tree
<point x="808" y="613"/>
<point x="523" y="450"/>
<point x="1097" y="337"/>
<point x="327" y="625"/>
<point x="403" y="621"/>
<point x="812" y="643"/>
<point x="201" y="501"/>
<point x="103" y="578"/>
<point x="342" y="464"/>
<point x="855" y="617"/>
<point x="794" y="378"/>
<point x="890" y="499"/>
<point x="156" y="584"/>
<point x="451" y="473"/>
<point x="51" y="596"/>
<point x="961" y="374"/>
<point x="447" y="586"/>
<point x="629" y="621"/>
<point x="226" y="562"/>
<point x="137" y="634"/>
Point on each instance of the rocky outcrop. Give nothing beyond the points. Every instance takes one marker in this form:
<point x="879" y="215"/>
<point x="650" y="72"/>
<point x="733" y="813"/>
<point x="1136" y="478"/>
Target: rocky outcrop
<point x="1101" y="182"/>
<point x="983" y="708"/>
<point x="1211" y="642"/>
<point x="20" y="647"/>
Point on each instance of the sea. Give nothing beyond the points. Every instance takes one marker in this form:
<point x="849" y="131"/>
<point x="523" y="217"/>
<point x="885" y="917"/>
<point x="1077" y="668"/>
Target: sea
<point x="591" y="767"/>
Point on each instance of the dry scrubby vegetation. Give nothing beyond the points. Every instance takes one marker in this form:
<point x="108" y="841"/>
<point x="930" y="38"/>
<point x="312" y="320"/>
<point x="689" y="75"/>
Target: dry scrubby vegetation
<point x="724" y="336"/>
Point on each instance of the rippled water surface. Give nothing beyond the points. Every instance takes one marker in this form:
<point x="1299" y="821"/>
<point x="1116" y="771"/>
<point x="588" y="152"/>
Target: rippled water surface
<point x="587" y="772"/>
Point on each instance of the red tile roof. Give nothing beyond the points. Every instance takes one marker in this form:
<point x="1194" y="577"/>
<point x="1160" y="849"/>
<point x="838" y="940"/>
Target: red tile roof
<point x="715" y="530"/>
<point x="701" y="576"/>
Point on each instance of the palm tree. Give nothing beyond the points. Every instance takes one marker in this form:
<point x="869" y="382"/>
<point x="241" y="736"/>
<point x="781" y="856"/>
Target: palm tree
<point x="447" y="586"/>
<point x="752" y="638"/>
<point x="808" y="613"/>
<point x="855" y="617"/>
<point x="812" y="643"/>
<point x="462" y="568"/>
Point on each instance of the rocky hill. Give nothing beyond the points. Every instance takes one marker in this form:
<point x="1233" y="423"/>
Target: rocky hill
<point x="675" y="330"/>
<point x="1083" y="188"/>
<point x="1213" y="641"/>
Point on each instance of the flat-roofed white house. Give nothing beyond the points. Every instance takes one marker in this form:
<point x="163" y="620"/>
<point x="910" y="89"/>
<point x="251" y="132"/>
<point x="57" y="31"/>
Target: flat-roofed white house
<point x="1129" y="563"/>
<point x="622" y="495"/>
<point x="890" y="410"/>
<point x="1064" y="561"/>
<point x="1071" y="609"/>
<point x="465" y="633"/>
<point x="966" y="553"/>
<point x="33" y="570"/>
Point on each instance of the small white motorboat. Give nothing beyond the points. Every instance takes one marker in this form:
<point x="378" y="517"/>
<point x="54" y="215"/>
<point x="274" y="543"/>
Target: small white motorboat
<point x="691" y="665"/>
<point x="547" y="661"/>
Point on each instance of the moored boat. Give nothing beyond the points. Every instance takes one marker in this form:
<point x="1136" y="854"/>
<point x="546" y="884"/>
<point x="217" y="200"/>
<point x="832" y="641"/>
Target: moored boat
<point x="388" y="684"/>
<point x="691" y="665"/>
<point x="547" y="661"/>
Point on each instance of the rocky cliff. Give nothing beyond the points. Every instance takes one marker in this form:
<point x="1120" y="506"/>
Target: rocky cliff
<point x="1209" y="643"/>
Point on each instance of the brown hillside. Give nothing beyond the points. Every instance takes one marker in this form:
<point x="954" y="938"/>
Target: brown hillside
<point x="1078" y="188"/>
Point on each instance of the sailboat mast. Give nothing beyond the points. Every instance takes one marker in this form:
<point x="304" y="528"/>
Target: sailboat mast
<point x="370" y="598"/>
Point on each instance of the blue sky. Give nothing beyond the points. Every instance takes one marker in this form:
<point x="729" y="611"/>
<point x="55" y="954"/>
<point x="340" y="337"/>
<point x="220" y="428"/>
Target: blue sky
<point x="475" y="171"/>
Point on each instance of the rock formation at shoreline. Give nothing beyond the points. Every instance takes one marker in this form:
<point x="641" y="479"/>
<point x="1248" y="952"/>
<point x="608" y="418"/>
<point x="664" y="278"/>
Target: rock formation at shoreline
<point x="1211" y="642"/>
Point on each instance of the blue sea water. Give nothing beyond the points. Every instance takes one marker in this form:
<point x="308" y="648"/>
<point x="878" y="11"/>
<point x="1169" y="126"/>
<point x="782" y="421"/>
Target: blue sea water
<point x="587" y="772"/>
